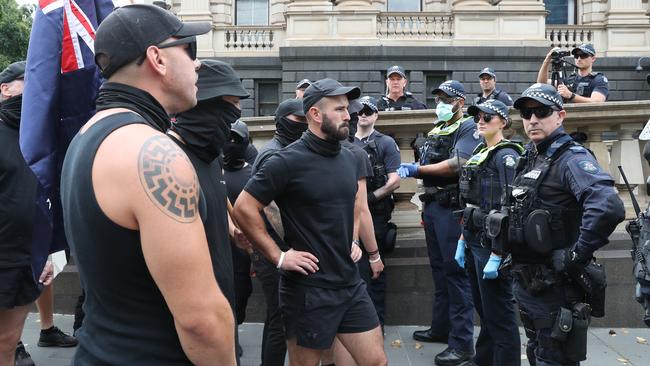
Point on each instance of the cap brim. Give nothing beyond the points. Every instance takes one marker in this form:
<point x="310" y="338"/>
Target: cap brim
<point x="487" y="73"/>
<point x="449" y="94"/>
<point x="299" y="113"/>
<point x="193" y="29"/>
<point x="396" y="72"/>
<point x="520" y="102"/>
<point x="352" y="92"/>
<point x="575" y="50"/>
<point x="303" y="85"/>
<point x="355" y="106"/>
<point x="209" y="90"/>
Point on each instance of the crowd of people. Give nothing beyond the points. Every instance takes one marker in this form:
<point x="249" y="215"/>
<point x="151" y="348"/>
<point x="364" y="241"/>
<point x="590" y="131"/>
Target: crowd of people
<point x="167" y="206"/>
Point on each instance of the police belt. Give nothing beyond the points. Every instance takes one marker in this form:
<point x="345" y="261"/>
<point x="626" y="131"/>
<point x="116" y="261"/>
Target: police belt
<point x="446" y="196"/>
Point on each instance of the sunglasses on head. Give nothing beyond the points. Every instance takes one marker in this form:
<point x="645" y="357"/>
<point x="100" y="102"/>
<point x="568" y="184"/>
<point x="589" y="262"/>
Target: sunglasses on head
<point x="190" y="49"/>
<point x="581" y="55"/>
<point x="366" y="112"/>
<point x="486" y="117"/>
<point x="539" y="112"/>
<point x="446" y="100"/>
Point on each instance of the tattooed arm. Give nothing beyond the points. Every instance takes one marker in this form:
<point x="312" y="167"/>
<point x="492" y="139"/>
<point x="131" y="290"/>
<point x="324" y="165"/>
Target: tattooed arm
<point x="272" y="212"/>
<point x="143" y="181"/>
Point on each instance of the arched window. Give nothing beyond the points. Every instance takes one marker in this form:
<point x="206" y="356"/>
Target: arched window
<point x="403" y="5"/>
<point x="561" y="11"/>
<point x="252" y="12"/>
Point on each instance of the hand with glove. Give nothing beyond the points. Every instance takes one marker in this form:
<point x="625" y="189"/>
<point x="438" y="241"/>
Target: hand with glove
<point x="491" y="270"/>
<point x="567" y="260"/>
<point x="406" y="170"/>
<point x="460" y="253"/>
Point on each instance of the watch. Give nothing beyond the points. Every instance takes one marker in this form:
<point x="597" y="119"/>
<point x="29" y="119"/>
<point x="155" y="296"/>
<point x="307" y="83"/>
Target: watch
<point x="572" y="97"/>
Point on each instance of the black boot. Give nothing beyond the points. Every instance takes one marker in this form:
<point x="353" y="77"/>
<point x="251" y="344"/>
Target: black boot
<point x="429" y="336"/>
<point x="454" y="357"/>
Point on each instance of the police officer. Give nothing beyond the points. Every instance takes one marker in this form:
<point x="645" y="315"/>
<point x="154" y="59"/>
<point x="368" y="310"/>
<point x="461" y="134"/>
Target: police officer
<point x="301" y="87"/>
<point x="447" y="147"/>
<point x="483" y="177"/>
<point x="488" y="80"/>
<point x="397" y="97"/>
<point x="563" y="208"/>
<point x="385" y="158"/>
<point x="585" y="86"/>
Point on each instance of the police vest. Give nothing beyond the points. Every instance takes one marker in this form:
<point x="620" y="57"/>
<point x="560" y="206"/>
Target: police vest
<point x="439" y="142"/>
<point x="475" y="179"/>
<point x="536" y="226"/>
<point x="584" y="88"/>
<point x="380" y="177"/>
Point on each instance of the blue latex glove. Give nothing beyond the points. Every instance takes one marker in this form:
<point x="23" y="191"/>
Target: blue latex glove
<point x="491" y="270"/>
<point x="460" y="253"/>
<point x="406" y="170"/>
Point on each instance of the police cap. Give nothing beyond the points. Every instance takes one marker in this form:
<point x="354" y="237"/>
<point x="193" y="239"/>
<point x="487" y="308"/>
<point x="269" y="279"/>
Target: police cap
<point x="369" y="102"/>
<point x="289" y="106"/>
<point x="451" y="88"/>
<point x="395" y="69"/>
<point x="587" y="48"/>
<point x="490" y="106"/>
<point x="542" y="93"/>
<point x="13" y="72"/>
<point x="487" y="71"/>
<point x="128" y="31"/>
<point x="327" y="88"/>
<point x="218" y="78"/>
<point x="303" y="84"/>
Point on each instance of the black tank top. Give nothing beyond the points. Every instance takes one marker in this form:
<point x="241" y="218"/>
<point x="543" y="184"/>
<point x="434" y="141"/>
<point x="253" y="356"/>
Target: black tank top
<point x="127" y="320"/>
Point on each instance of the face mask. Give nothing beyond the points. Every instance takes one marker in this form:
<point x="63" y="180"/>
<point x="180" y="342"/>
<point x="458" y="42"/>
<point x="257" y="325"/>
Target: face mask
<point x="444" y="111"/>
<point x="206" y="127"/>
<point x="290" y="130"/>
<point x="10" y="111"/>
<point x="234" y="154"/>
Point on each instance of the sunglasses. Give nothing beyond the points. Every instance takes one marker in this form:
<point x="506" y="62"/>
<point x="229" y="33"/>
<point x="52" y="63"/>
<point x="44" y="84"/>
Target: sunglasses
<point x="446" y="100"/>
<point x="539" y="112"/>
<point x="190" y="49"/>
<point x="486" y="117"/>
<point x="366" y="112"/>
<point x="581" y="55"/>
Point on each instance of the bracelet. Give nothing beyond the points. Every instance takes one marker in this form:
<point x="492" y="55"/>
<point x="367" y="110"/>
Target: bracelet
<point x="279" y="266"/>
<point x="373" y="261"/>
<point x="356" y="242"/>
<point x="373" y="252"/>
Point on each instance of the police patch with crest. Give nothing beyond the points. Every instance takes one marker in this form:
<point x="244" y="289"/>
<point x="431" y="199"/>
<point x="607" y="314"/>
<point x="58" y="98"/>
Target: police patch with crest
<point x="588" y="166"/>
<point x="509" y="161"/>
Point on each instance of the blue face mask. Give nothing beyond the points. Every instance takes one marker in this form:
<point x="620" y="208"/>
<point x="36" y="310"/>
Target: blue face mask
<point x="444" y="111"/>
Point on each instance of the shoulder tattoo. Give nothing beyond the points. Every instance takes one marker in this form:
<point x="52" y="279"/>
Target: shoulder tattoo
<point x="159" y="165"/>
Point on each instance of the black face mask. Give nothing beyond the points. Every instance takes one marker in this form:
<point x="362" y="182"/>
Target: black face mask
<point x="354" y="120"/>
<point x="10" y="111"/>
<point x="206" y="127"/>
<point x="234" y="154"/>
<point x="289" y="131"/>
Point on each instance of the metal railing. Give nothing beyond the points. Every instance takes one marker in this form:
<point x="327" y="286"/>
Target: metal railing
<point x="250" y="38"/>
<point x="569" y="36"/>
<point x="415" y="25"/>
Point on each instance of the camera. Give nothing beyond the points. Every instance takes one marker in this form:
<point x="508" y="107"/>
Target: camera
<point x="557" y="57"/>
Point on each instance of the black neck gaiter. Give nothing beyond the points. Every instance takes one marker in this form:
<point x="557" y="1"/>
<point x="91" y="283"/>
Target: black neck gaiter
<point x="10" y="111"/>
<point x="288" y="131"/>
<point x="234" y="155"/>
<point x="206" y="127"/>
<point x="320" y="146"/>
<point x="115" y="95"/>
<point x="354" y="121"/>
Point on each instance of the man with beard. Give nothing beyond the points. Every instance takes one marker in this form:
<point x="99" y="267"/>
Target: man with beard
<point x="315" y="184"/>
<point x="132" y="204"/>
<point x="18" y="185"/>
<point x="202" y="133"/>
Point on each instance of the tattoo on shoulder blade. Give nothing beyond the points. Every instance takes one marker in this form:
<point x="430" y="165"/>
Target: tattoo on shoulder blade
<point x="159" y="164"/>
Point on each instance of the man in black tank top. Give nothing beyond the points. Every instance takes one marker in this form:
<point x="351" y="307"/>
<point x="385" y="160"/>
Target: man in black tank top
<point x="132" y="205"/>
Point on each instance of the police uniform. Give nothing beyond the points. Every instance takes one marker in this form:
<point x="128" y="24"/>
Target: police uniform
<point x="563" y="207"/>
<point x="481" y="189"/>
<point x="404" y="103"/>
<point x="453" y="298"/>
<point x="585" y="85"/>
<point x="497" y="94"/>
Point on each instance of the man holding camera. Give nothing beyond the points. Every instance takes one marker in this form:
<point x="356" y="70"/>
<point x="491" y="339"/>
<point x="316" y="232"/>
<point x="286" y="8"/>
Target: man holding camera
<point x="585" y="86"/>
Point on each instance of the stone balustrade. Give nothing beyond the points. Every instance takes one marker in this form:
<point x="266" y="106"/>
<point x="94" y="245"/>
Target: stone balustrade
<point x="570" y="36"/>
<point x="426" y="26"/>
<point x="249" y="39"/>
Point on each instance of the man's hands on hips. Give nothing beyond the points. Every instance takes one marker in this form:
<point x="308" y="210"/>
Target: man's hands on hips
<point x="303" y="262"/>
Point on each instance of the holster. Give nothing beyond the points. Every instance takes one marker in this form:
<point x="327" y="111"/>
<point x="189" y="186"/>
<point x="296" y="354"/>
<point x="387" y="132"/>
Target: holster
<point x="596" y="298"/>
<point x="537" y="232"/>
<point x="534" y="278"/>
<point x="390" y="238"/>
<point x="576" y="343"/>
<point x="563" y="325"/>
<point x="496" y="229"/>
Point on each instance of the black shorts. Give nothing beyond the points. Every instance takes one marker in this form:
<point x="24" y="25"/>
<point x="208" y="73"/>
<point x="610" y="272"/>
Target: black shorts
<point x="314" y="315"/>
<point x="17" y="287"/>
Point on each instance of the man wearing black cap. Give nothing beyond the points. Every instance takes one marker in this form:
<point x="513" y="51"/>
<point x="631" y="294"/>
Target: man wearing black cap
<point x="446" y="148"/>
<point x="562" y="195"/>
<point x="585" y="86"/>
<point x="397" y="97"/>
<point x="488" y="80"/>
<point x="301" y="87"/>
<point x="314" y="183"/>
<point x="132" y="205"/>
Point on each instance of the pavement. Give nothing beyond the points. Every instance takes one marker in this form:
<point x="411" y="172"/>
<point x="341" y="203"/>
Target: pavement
<point x="607" y="346"/>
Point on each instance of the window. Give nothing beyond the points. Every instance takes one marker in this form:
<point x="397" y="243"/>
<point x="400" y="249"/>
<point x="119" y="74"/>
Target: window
<point x="403" y="5"/>
<point x="560" y="11"/>
<point x="252" y="12"/>
<point x="267" y="97"/>
<point x="432" y="82"/>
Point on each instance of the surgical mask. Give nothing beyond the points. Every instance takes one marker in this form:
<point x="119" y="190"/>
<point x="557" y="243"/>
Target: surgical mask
<point x="444" y="111"/>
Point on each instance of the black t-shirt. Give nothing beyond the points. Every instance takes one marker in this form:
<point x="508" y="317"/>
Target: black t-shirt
<point x="315" y="194"/>
<point x="236" y="180"/>
<point x="17" y="201"/>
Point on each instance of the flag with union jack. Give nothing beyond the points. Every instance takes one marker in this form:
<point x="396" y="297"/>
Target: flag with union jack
<point x="61" y="83"/>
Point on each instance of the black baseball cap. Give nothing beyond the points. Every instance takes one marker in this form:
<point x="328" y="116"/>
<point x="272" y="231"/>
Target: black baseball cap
<point x="587" y="48"/>
<point x="128" y="31"/>
<point x="13" y="72"/>
<point x="395" y="69"/>
<point x="542" y="93"/>
<point x="289" y="106"/>
<point x="490" y="106"/>
<point x="303" y="84"/>
<point x="327" y="88"/>
<point x="240" y="128"/>
<point x="487" y="71"/>
<point x="218" y="78"/>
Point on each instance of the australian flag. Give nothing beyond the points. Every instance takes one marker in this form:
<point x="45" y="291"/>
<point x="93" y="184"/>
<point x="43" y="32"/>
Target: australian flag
<point x="61" y="84"/>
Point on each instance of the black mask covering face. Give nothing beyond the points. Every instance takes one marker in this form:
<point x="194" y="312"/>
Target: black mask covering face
<point x="234" y="153"/>
<point x="10" y="111"/>
<point x="206" y="127"/>
<point x="289" y="131"/>
<point x="354" y="120"/>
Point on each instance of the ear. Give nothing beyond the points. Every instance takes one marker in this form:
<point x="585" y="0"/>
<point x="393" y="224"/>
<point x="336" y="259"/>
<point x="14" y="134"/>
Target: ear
<point x="315" y="114"/>
<point x="562" y="115"/>
<point x="155" y="60"/>
<point x="3" y="90"/>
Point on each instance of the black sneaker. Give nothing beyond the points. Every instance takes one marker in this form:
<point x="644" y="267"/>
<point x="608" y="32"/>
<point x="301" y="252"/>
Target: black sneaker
<point x="22" y="357"/>
<point x="54" y="337"/>
<point x="454" y="357"/>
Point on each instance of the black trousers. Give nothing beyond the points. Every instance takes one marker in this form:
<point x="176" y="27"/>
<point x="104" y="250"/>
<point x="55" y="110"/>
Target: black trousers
<point x="274" y="346"/>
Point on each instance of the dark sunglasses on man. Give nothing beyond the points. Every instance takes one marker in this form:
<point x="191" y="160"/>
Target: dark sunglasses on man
<point x="539" y="112"/>
<point x="190" y="49"/>
<point x="366" y="112"/>
<point x="446" y="100"/>
<point x="486" y="117"/>
<point x="578" y="55"/>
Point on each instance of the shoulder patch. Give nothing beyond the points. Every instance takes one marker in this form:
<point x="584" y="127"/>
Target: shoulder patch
<point x="476" y="135"/>
<point x="605" y="79"/>
<point x="578" y="149"/>
<point x="588" y="166"/>
<point x="509" y="161"/>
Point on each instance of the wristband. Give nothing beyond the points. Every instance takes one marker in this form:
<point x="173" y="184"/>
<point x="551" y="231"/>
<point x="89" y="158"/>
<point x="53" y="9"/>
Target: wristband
<point x="373" y="261"/>
<point x="373" y="252"/>
<point x="279" y="266"/>
<point x="356" y="242"/>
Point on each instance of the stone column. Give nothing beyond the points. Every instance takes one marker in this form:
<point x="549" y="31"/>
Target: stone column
<point x="595" y="143"/>
<point x="278" y="7"/>
<point x="628" y="28"/>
